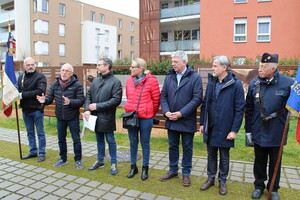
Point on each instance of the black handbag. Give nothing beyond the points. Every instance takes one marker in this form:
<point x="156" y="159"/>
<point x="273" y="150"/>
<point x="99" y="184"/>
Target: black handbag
<point x="131" y="119"/>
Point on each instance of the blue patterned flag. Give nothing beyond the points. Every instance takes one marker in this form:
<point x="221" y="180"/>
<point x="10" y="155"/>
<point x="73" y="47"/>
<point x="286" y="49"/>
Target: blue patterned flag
<point x="293" y="103"/>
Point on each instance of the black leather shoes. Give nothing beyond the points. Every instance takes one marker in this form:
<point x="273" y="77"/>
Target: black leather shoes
<point x="186" y="181"/>
<point x="222" y="189"/>
<point x="133" y="171"/>
<point x="41" y="158"/>
<point x="274" y="196"/>
<point x="168" y="176"/>
<point x="29" y="156"/>
<point x="257" y="194"/>
<point x="207" y="185"/>
<point x="144" y="175"/>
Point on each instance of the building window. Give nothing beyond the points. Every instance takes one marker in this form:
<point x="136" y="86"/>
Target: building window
<point x="41" y="26"/>
<point x="186" y="35"/>
<point x="40" y="6"/>
<point x="120" y="54"/>
<point x="119" y="39"/>
<point x="106" y="52"/>
<point x="164" y="5"/>
<point x="106" y="35"/>
<point x="263" y="0"/>
<point x="264" y="29"/>
<point x="62" y="10"/>
<point x="164" y="37"/>
<point x="177" y="35"/>
<point x="240" y="30"/>
<point x="177" y="3"/>
<point x="41" y="48"/>
<point x="240" y="1"/>
<point x="131" y="55"/>
<point x="62" y="29"/>
<point x="92" y="16"/>
<point x="43" y="64"/>
<point x="131" y="26"/>
<point x="62" y="50"/>
<point x="131" y="40"/>
<point x="120" y="23"/>
<point x="102" y="18"/>
<point x="239" y="60"/>
<point x="196" y="34"/>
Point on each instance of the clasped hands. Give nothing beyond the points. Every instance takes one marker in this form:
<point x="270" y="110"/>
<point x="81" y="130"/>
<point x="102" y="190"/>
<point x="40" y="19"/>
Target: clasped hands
<point x="173" y="115"/>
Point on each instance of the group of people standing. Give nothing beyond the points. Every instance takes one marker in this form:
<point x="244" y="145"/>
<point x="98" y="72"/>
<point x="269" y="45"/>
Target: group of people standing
<point x="222" y="110"/>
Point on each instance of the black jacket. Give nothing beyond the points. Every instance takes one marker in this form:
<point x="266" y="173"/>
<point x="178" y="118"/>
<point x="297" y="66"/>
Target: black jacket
<point x="30" y="85"/>
<point x="74" y="92"/>
<point x="106" y="92"/>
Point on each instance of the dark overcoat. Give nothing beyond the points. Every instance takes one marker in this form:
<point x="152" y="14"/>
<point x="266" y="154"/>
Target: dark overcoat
<point x="185" y="98"/>
<point x="106" y="92"/>
<point x="228" y="111"/>
<point x="274" y="96"/>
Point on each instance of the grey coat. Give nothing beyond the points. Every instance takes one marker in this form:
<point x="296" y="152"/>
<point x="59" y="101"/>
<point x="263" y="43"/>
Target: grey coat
<point x="106" y="92"/>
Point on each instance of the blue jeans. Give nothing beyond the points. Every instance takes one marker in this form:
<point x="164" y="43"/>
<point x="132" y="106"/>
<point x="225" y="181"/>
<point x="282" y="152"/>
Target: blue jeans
<point x="187" y="147"/>
<point x="112" y="146"/>
<point x="62" y="126"/>
<point x="145" y="132"/>
<point x="30" y="119"/>
<point x="212" y="160"/>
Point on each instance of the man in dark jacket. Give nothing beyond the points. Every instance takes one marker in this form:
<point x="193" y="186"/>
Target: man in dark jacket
<point x="67" y="92"/>
<point x="30" y="84"/>
<point x="265" y="119"/>
<point x="221" y="118"/>
<point x="103" y="98"/>
<point x="180" y="97"/>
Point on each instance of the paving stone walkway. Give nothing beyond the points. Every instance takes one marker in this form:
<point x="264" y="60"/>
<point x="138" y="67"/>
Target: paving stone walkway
<point x="22" y="181"/>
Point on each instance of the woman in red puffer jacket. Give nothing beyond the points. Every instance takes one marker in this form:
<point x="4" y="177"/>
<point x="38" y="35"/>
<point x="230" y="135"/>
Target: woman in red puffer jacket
<point x="144" y="86"/>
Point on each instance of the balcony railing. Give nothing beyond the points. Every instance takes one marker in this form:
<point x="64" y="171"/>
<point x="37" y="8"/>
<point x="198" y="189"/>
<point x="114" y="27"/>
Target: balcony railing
<point x="185" y="45"/>
<point x="193" y="9"/>
<point x="4" y="15"/>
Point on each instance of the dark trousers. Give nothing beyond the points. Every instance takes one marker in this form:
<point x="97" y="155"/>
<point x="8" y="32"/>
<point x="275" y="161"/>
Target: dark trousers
<point x="212" y="160"/>
<point x="187" y="147"/>
<point x="62" y="133"/>
<point x="260" y="166"/>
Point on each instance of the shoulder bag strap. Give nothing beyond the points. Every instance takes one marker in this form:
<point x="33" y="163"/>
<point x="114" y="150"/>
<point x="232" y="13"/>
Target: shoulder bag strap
<point x="137" y="106"/>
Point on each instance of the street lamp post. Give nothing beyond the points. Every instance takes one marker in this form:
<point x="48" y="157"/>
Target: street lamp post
<point x="98" y="34"/>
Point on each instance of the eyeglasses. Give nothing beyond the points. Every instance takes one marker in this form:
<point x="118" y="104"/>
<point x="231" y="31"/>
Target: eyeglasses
<point x="134" y="67"/>
<point x="29" y="65"/>
<point x="98" y="65"/>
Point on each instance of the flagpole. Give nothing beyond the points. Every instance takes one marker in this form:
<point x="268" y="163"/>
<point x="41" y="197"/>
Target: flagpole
<point x="18" y="127"/>
<point x="285" y="130"/>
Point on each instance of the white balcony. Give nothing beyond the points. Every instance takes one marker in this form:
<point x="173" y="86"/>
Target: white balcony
<point x="4" y="36"/>
<point x="184" y="45"/>
<point x="193" y="9"/>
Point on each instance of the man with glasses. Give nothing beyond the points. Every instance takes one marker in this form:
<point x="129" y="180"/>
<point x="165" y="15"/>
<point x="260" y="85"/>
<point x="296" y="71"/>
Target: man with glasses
<point x="103" y="98"/>
<point x="30" y="84"/>
<point x="67" y="92"/>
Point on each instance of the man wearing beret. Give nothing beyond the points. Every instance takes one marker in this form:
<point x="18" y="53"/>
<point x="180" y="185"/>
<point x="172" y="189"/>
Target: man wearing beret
<point x="265" y="117"/>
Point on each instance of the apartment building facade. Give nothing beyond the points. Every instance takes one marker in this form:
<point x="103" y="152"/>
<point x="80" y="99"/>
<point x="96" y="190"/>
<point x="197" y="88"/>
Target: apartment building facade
<point x="240" y="29"/>
<point x="59" y="31"/>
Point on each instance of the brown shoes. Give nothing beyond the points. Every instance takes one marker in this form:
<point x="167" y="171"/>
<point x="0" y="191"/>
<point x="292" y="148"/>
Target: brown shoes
<point x="186" y="181"/>
<point x="207" y="185"/>
<point x="168" y="176"/>
<point x="222" y="189"/>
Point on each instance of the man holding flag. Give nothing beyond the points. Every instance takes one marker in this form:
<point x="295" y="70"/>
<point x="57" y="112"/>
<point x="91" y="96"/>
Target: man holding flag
<point x="31" y="84"/>
<point x="265" y="118"/>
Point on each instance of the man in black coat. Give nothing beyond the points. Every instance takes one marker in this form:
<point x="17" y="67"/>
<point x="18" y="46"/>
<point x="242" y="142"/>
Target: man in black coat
<point x="30" y="84"/>
<point x="265" y="117"/>
<point x="103" y="98"/>
<point x="67" y="92"/>
<point x="222" y="114"/>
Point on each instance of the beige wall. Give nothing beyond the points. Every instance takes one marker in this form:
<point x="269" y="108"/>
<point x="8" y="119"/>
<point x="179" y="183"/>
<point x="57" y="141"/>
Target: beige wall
<point x="72" y="38"/>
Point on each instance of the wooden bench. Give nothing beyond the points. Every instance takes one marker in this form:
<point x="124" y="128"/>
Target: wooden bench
<point x="162" y="120"/>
